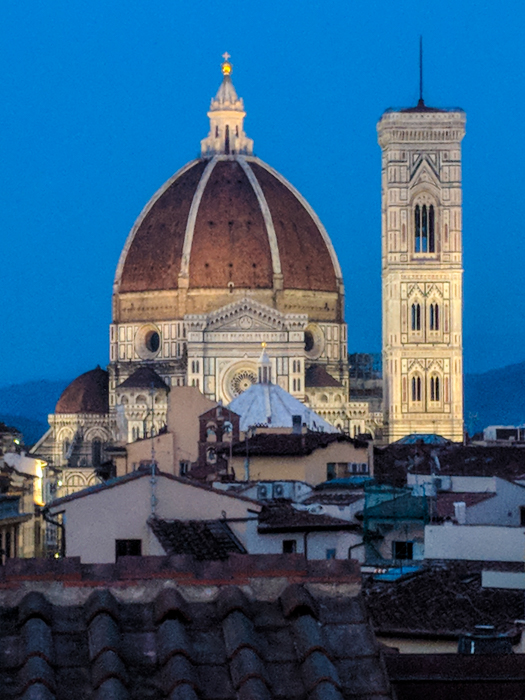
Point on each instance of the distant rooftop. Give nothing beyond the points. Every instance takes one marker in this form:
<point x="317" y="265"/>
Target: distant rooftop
<point x="425" y="438"/>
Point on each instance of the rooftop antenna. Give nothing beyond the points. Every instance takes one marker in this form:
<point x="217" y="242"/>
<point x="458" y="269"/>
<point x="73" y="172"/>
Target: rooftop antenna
<point x="421" y="101"/>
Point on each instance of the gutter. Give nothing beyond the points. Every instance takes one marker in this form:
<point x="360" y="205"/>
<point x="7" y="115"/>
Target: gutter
<point x="50" y="520"/>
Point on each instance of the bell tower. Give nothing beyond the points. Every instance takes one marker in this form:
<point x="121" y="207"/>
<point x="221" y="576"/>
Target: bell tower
<point x="422" y="271"/>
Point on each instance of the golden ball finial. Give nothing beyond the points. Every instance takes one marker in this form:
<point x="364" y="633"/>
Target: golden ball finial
<point x="226" y="66"/>
<point x="263" y="345"/>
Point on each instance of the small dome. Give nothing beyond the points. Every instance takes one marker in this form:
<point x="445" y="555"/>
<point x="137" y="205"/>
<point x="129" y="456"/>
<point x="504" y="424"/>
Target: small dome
<point x="269" y="405"/>
<point x="88" y="393"/>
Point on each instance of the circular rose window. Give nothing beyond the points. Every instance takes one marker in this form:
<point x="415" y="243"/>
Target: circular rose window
<point x="242" y="380"/>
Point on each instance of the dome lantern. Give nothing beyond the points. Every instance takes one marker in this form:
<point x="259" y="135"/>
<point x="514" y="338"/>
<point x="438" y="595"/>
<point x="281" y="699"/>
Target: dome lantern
<point x="226" y="116"/>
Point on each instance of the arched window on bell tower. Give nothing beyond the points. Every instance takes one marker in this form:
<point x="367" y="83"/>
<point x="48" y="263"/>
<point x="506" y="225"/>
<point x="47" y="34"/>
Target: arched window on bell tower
<point x="227" y="140"/>
<point x="434" y="317"/>
<point x="416" y="316"/>
<point x="416" y="388"/>
<point x="417" y="229"/>
<point x="424" y="228"/>
<point x="435" y="388"/>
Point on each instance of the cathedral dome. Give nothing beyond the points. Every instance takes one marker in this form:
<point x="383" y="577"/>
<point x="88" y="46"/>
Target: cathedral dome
<point x="228" y="221"/>
<point x="86" y="394"/>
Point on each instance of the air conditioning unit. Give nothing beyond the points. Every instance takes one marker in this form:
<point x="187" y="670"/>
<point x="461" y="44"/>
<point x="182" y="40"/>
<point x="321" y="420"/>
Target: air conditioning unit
<point x="316" y="508"/>
<point x="278" y="490"/>
<point x="262" y="492"/>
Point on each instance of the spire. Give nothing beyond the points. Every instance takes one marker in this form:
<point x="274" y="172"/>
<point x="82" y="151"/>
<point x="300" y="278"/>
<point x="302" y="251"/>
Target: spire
<point x="264" y="367"/>
<point x="421" y="102"/>
<point x="226" y="116"/>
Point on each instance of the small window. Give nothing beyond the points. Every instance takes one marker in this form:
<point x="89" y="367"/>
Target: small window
<point x="330" y="471"/>
<point x="402" y="550"/>
<point x="128" y="548"/>
<point x="434" y="317"/>
<point x="522" y="516"/>
<point x="184" y="467"/>
<point x="435" y="389"/>
<point x="416" y="317"/>
<point x="330" y="553"/>
<point x="289" y="546"/>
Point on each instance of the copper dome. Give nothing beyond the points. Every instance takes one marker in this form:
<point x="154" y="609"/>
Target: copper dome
<point x="86" y="394"/>
<point x="227" y="222"/>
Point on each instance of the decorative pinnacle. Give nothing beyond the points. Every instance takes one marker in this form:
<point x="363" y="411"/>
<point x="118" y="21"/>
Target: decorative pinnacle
<point x="226" y="67"/>
<point x="263" y="345"/>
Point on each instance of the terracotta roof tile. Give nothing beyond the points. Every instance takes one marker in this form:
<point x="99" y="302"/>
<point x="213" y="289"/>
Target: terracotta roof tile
<point x="203" y="539"/>
<point x="317" y="376"/>
<point x="442" y="599"/>
<point x="178" y="643"/>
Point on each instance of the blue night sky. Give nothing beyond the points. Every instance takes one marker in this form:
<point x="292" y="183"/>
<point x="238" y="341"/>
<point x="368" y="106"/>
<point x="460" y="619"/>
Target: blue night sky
<point x="101" y="102"/>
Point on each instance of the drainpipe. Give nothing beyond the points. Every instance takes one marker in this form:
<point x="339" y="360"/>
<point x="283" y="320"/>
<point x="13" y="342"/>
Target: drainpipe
<point x="306" y="545"/>
<point x="50" y="520"/>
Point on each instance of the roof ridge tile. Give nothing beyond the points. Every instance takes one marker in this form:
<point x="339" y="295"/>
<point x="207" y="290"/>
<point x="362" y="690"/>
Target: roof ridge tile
<point x="38" y="691"/>
<point x="103" y="635"/>
<point x="317" y="668"/>
<point x="170" y="604"/>
<point x="296" y="600"/>
<point x="178" y="670"/>
<point x="101" y="601"/>
<point x="239" y="632"/>
<point x="171" y="639"/>
<point x="253" y="689"/>
<point x="108" y="665"/>
<point x="247" y="664"/>
<point x="112" y="689"/>
<point x="35" y="604"/>
<point x="37" y="670"/>
<point x="232" y="598"/>
<point x="38" y="640"/>
<point x="184" y="691"/>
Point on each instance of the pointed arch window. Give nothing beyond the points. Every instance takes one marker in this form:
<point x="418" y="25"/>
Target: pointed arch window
<point x="435" y="389"/>
<point x="416" y="317"/>
<point x="227" y="141"/>
<point x="416" y="388"/>
<point x="434" y="317"/>
<point x="424" y="229"/>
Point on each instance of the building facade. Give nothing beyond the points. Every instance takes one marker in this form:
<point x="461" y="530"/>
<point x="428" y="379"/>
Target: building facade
<point x="422" y="271"/>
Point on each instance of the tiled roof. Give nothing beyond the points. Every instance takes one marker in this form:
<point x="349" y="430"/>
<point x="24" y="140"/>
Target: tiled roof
<point x="181" y="639"/>
<point x="317" y="376"/>
<point x="445" y="502"/>
<point x="267" y="444"/>
<point x="144" y="378"/>
<point x="203" y="539"/>
<point x="336" y="499"/>
<point x="394" y="461"/>
<point x="142" y="474"/>
<point x="283" y="517"/>
<point x="442" y="599"/>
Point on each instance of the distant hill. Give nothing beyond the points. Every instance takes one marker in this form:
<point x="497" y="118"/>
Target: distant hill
<point x="26" y="406"/>
<point x="497" y="397"/>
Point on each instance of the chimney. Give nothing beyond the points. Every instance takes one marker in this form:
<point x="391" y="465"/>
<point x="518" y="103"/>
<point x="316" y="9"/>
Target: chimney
<point x="460" y="512"/>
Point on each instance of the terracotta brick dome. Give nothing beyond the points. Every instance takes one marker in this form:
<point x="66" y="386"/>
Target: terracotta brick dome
<point x="88" y="393"/>
<point x="226" y="222"/>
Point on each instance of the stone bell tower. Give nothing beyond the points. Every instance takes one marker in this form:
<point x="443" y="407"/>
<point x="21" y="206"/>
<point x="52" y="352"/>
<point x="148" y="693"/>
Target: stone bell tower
<point x="422" y="271"/>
